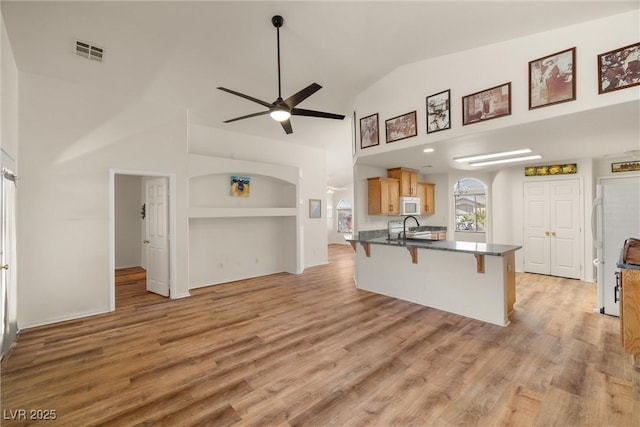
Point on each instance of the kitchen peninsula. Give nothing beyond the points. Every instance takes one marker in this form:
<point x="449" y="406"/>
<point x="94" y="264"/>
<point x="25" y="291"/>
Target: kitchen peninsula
<point x="472" y="279"/>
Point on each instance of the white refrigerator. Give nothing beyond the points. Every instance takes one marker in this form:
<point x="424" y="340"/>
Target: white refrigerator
<point x="614" y="218"/>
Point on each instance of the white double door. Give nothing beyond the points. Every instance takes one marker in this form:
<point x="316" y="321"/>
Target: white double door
<point x="552" y="228"/>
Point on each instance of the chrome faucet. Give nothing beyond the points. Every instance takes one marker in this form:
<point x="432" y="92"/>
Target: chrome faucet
<point x="404" y="225"/>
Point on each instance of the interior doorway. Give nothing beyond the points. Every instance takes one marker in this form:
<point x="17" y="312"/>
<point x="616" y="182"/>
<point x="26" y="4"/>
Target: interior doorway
<point x="138" y="201"/>
<point x="131" y="288"/>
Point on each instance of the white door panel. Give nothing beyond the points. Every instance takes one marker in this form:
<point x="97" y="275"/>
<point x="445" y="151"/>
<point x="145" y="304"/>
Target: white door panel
<point x="157" y="235"/>
<point x="536" y="220"/>
<point x="565" y="228"/>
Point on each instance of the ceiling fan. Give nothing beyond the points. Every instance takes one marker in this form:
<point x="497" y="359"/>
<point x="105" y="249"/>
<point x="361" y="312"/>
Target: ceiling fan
<point x="281" y="110"/>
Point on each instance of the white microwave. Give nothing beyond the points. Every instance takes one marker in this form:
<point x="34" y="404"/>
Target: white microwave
<point x="409" y="205"/>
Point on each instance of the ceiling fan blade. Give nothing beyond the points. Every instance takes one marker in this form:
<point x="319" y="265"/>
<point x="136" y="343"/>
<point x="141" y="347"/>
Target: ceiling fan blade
<point x="312" y="113"/>
<point x="261" y="113"/>
<point x="297" y="98"/>
<point x="250" y="98"/>
<point x="286" y="125"/>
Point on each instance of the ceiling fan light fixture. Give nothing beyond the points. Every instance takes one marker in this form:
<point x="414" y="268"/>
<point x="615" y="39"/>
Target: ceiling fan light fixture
<point x="280" y="114"/>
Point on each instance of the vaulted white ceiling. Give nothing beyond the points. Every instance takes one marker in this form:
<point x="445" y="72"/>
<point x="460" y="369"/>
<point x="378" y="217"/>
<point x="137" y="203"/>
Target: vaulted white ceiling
<point x="179" y="52"/>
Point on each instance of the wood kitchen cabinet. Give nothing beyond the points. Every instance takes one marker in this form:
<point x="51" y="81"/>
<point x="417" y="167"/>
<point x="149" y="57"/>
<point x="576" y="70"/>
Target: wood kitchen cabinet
<point x="426" y="192"/>
<point x="630" y="313"/>
<point x="408" y="180"/>
<point x="384" y="195"/>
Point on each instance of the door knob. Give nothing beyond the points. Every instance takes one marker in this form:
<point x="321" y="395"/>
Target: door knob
<point x="145" y="241"/>
<point x="546" y="233"/>
<point x="553" y="233"/>
<point x="5" y="267"/>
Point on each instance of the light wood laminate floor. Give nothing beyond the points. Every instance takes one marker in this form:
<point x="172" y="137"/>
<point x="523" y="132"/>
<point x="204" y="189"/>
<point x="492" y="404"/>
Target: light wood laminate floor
<point x="287" y="350"/>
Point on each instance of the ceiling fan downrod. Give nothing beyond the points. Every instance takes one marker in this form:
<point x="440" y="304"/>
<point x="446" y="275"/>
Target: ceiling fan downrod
<point x="277" y="22"/>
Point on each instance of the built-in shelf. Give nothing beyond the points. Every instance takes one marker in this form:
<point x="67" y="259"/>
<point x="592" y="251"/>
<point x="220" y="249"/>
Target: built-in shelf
<point x="240" y="212"/>
<point x="271" y="240"/>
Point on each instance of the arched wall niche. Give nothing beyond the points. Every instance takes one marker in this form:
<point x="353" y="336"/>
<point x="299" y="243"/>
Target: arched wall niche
<point x="233" y="238"/>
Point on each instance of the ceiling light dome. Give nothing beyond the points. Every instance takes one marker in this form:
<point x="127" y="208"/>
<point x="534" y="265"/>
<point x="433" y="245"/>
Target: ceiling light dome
<point x="280" y="114"/>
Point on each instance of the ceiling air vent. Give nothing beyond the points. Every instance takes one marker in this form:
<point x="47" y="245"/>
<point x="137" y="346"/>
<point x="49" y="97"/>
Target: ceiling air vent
<point x="89" y="51"/>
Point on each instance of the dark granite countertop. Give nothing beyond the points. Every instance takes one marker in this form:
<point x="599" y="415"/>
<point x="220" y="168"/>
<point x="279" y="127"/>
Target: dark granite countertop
<point x="379" y="237"/>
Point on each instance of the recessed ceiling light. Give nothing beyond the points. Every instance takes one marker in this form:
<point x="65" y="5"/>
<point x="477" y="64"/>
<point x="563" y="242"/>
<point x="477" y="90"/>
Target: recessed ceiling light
<point x="512" y="159"/>
<point x="428" y="150"/>
<point x="491" y="155"/>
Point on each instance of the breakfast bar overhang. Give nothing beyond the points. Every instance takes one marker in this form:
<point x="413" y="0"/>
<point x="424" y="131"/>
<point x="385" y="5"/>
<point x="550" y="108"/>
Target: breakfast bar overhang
<point x="475" y="280"/>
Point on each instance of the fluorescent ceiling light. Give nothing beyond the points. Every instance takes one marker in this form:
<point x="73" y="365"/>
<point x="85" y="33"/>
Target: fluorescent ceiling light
<point x="512" y="159"/>
<point x="280" y="115"/>
<point x="491" y="155"/>
<point x="428" y="150"/>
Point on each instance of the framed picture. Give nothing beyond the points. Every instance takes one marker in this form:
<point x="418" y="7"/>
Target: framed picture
<point x="439" y="111"/>
<point x="240" y="186"/>
<point x="619" y="68"/>
<point x="401" y="127"/>
<point x="552" y="79"/>
<point x="626" y="166"/>
<point x="315" y="208"/>
<point x="566" y="169"/>
<point x="486" y="105"/>
<point x="369" y="134"/>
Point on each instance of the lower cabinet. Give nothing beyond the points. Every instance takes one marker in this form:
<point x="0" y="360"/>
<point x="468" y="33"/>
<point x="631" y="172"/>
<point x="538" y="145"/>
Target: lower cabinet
<point x="384" y="196"/>
<point x="630" y="313"/>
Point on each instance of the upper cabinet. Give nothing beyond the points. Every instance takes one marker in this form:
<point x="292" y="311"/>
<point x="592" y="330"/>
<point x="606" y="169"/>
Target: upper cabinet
<point x="383" y="196"/>
<point x="408" y="180"/>
<point x="426" y="192"/>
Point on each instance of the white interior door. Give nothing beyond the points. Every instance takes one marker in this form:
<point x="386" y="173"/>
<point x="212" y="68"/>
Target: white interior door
<point x="552" y="228"/>
<point x="565" y="228"/>
<point x="537" y="245"/>
<point x="157" y="235"/>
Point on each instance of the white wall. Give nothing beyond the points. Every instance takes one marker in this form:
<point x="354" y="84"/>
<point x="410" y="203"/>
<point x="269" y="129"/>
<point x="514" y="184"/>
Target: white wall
<point x="602" y="167"/>
<point x="70" y="138"/>
<point x="508" y="215"/>
<point x="311" y="162"/>
<point x="470" y="71"/>
<point x="8" y="96"/>
<point x="467" y="72"/>
<point x="128" y="221"/>
<point x="227" y="249"/>
<point x="8" y="159"/>
<point x="234" y="238"/>
<point x="332" y="201"/>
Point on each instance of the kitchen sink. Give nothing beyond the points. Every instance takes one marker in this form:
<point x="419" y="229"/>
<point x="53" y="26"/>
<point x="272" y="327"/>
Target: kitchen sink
<point x="421" y="235"/>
